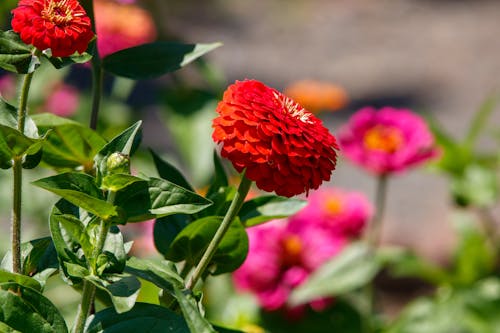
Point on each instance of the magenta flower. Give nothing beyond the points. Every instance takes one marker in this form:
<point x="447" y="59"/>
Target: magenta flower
<point x="280" y="259"/>
<point x="387" y="140"/>
<point x="342" y="213"/>
<point x="62" y="101"/>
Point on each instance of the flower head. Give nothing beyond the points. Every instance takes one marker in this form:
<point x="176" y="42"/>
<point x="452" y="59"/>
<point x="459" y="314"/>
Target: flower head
<point x="283" y="147"/>
<point x="387" y="140"/>
<point x="59" y="25"/>
<point x="317" y="96"/>
<point x="121" y="25"/>
<point x="342" y="213"/>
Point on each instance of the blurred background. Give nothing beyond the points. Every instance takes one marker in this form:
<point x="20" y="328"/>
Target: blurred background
<point x="438" y="58"/>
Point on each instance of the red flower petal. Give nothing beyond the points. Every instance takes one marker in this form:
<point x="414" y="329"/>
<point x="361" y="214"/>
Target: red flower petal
<point x="283" y="147"/>
<point x="59" y="25"/>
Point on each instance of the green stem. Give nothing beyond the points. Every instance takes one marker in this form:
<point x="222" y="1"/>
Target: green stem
<point x="231" y="213"/>
<point x="88" y="291"/>
<point x="375" y="227"/>
<point x="97" y="79"/>
<point x="17" y="174"/>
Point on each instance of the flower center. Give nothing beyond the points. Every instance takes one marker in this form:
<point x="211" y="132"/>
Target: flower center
<point x="333" y="206"/>
<point x="293" y="108"/>
<point x="57" y="12"/>
<point x="383" y="138"/>
<point x="292" y="248"/>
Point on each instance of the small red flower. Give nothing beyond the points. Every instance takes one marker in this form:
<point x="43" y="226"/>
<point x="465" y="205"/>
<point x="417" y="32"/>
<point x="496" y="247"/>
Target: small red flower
<point x="283" y="147"/>
<point x="59" y="25"/>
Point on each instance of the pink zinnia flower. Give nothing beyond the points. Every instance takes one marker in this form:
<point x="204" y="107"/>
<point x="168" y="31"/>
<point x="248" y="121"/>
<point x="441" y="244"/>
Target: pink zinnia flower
<point x="343" y="213"/>
<point x="387" y="140"/>
<point x="280" y="259"/>
<point x="62" y="101"/>
<point x="121" y="25"/>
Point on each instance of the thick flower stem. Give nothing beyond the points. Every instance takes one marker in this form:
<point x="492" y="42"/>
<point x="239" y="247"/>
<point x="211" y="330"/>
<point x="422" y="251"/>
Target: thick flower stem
<point x="17" y="174"/>
<point x="375" y="227"/>
<point x="88" y="290"/>
<point x="88" y="293"/>
<point x="233" y="210"/>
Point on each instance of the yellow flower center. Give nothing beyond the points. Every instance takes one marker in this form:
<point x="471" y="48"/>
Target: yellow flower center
<point x="333" y="206"/>
<point x="292" y="248"/>
<point x="383" y="138"/>
<point x="57" y="12"/>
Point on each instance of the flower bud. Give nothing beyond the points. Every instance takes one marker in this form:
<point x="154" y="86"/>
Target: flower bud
<point x="118" y="163"/>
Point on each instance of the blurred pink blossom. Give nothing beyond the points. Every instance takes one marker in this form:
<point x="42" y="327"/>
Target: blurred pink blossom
<point x="387" y="140"/>
<point x="283" y="253"/>
<point x="142" y="235"/>
<point x="7" y="86"/>
<point x="63" y="100"/>
<point x="121" y="25"/>
<point x="343" y="213"/>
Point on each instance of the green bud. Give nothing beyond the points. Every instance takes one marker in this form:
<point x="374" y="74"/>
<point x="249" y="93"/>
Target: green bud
<point x="118" y="163"/>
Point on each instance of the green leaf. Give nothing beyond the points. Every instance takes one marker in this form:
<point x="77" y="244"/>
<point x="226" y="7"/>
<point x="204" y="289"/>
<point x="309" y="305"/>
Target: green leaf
<point x="480" y="120"/>
<point x="402" y="262"/>
<point x="340" y="317"/>
<point x="113" y="257"/>
<point x="25" y="310"/>
<point x="68" y="242"/>
<point x="192" y="313"/>
<point x="118" y="181"/>
<point x="168" y="172"/>
<point x="123" y="289"/>
<point x="20" y="279"/>
<point x="18" y="144"/>
<point x="143" y="317"/>
<point x="352" y="268"/>
<point x="80" y="190"/>
<point x="38" y="259"/>
<point x="266" y="208"/>
<point x="474" y="258"/>
<point x="163" y="273"/>
<point x="69" y="144"/>
<point x="220" y="178"/>
<point x="167" y="228"/>
<point x="8" y="117"/>
<point x="76" y="58"/>
<point x="154" y="59"/>
<point x="156" y="198"/>
<point x="15" y="55"/>
<point x="192" y="241"/>
<point x="477" y="186"/>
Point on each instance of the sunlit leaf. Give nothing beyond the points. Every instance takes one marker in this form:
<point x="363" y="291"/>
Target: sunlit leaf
<point x="157" y="198"/>
<point x="123" y="289"/>
<point x="265" y="208"/>
<point x="80" y="190"/>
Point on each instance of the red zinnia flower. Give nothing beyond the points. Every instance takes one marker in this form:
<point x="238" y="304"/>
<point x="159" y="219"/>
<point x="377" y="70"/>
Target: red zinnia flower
<point x="283" y="147"/>
<point x="59" y="25"/>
